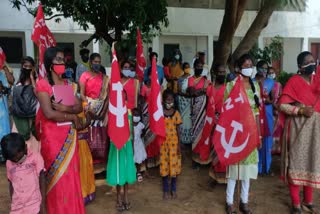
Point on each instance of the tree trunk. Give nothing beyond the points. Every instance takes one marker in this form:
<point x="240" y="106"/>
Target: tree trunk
<point x="251" y="37"/>
<point x="233" y="13"/>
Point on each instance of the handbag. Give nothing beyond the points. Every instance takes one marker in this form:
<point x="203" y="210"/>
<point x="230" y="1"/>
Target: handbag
<point x="24" y="101"/>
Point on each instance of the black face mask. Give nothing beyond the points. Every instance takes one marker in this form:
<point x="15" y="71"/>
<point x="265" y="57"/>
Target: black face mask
<point x="85" y="58"/>
<point x="198" y="71"/>
<point x="309" y="69"/>
<point x="26" y="71"/>
<point x="220" y="79"/>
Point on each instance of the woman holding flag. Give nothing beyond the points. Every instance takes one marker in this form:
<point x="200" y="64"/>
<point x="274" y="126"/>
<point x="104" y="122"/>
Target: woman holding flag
<point x="247" y="168"/>
<point x="300" y="107"/>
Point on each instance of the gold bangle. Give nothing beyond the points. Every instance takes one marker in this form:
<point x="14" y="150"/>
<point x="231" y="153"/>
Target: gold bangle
<point x="301" y="111"/>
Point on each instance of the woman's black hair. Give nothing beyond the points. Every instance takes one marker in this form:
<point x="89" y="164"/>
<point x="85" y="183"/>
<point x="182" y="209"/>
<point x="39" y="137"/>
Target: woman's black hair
<point x="196" y="62"/>
<point x="137" y="110"/>
<point x="11" y="144"/>
<point x="167" y="93"/>
<point x="301" y="57"/>
<point x="49" y="55"/>
<point x="23" y="76"/>
<point x="241" y="60"/>
<point x="184" y="65"/>
<point x="94" y="55"/>
<point x="261" y="63"/>
<point x="125" y="62"/>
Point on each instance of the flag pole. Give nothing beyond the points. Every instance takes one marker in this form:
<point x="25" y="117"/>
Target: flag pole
<point x="238" y="189"/>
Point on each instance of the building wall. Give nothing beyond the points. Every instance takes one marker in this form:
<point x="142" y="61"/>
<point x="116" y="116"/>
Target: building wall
<point x="291" y="49"/>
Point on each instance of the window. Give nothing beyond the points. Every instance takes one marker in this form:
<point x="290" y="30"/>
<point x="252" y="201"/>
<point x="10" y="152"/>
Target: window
<point x="168" y="50"/>
<point x="12" y="47"/>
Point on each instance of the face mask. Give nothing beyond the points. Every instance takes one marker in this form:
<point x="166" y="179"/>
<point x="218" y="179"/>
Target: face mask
<point x="198" y="71"/>
<point x="59" y="68"/>
<point x="204" y="72"/>
<point x="187" y="70"/>
<point x="247" y="72"/>
<point x="132" y="74"/>
<point x="220" y="79"/>
<point x="24" y="157"/>
<point x="126" y="72"/>
<point x="96" y="67"/>
<point x="68" y="73"/>
<point x="169" y="105"/>
<point x="85" y="59"/>
<point x="272" y="76"/>
<point x="136" y="119"/>
<point x="309" y="69"/>
<point x="177" y="57"/>
<point x="26" y="71"/>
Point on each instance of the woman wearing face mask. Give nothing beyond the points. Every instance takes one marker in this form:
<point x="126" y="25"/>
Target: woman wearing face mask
<point x="130" y="85"/>
<point x="300" y="160"/>
<point x="184" y="104"/>
<point x="277" y="90"/>
<point x="216" y="91"/>
<point x="59" y="146"/>
<point x="266" y="87"/>
<point x="176" y="71"/>
<point x="248" y="167"/>
<point x="94" y="92"/>
<point x="24" y="104"/>
<point x="197" y="88"/>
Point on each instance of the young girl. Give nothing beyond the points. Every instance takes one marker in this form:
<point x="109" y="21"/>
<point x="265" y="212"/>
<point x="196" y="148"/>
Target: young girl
<point x="25" y="172"/>
<point x="139" y="151"/>
<point x="170" y="158"/>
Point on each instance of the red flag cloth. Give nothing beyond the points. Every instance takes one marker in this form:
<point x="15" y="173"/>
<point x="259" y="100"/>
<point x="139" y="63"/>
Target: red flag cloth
<point x="203" y="147"/>
<point x="2" y="58"/>
<point x="141" y="61"/>
<point x="264" y="129"/>
<point x="157" y="125"/>
<point x="236" y="134"/>
<point x="43" y="38"/>
<point x="118" y="124"/>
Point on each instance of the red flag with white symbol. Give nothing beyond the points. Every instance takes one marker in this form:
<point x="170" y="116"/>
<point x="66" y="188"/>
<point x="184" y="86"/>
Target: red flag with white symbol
<point x="203" y="146"/>
<point x="118" y="123"/>
<point x="155" y="108"/>
<point x="236" y="134"/>
<point x="2" y="58"/>
<point x="141" y="61"/>
<point x="43" y="38"/>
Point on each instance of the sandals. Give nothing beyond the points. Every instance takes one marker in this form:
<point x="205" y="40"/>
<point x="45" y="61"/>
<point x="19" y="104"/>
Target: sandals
<point x="244" y="208"/>
<point x="139" y="177"/>
<point x="120" y="207"/>
<point x="295" y="210"/>
<point x="309" y="208"/>
<point x="230" y="209"/>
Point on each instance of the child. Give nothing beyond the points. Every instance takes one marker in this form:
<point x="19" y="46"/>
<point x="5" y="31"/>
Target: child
<point x="170" y="158"/>
<point x="25" y="172"/>
<point x="139" y="151"/>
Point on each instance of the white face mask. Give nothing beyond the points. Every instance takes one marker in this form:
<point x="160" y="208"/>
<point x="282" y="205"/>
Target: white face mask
<point x="132" y="74"/>
<point x="272" y="76"/>
<point x="177" y="57"/>
<point x="136" y="119"/>
<point x="204" y="72"/>
<point x="247" y="72"/>
<point x="126" y="72"/>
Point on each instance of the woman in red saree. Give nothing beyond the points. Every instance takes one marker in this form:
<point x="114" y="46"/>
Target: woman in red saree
<point x="300" y="160"/>
<point x="59" y="147"/>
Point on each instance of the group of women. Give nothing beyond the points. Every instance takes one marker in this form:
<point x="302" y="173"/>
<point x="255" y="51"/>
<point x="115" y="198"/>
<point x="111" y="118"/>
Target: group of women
<point x="295" y="109"/>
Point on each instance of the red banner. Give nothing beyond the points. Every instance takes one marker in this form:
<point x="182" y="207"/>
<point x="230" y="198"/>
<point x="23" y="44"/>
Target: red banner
<point x="236" y="134"/>
<point x="141" y="61"/>
<point x="155" y="108"/>
<point x="118" y="123"/>
<point x="43" y="38"/>
<point x="2" y="58"/>
<point x="203" y="146"/>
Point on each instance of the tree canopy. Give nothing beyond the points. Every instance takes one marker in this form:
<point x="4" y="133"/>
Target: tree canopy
<point x="110" y="18"/>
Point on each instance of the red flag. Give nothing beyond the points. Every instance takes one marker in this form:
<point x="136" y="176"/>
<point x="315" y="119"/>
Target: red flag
<point x="118" y="124"/>
<point x="141" y="61"/>
<point x="2" y="58"/>
<point x="203" y="146"/>
<point x="236" y="134"/>
<point x="264" y="129"/>
<point x="43" y="38"/>
<point x="155" y="109"/>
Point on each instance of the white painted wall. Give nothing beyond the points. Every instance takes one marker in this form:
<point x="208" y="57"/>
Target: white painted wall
<point x="291" y="49"/>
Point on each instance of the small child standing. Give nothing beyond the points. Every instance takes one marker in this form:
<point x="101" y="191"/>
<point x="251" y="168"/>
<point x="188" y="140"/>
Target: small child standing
<point x="139" y="150"/>
<point x="170" y="156"/>
<point x="25" y="172"/>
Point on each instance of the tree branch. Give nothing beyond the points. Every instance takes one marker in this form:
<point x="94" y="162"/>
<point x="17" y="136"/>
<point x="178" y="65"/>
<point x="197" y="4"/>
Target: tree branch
<point x="56" y="15"/>
<point x="85" y="43"/>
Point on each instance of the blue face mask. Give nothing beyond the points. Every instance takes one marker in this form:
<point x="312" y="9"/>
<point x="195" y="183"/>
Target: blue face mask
<point x="96" y="67"/>
<point x="126" y="72"/>
<point x="132" y="74"/>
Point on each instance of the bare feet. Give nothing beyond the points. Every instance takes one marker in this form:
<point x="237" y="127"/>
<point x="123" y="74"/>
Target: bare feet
<point x="174" y="195"/>
<point x="165" y="196"/>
